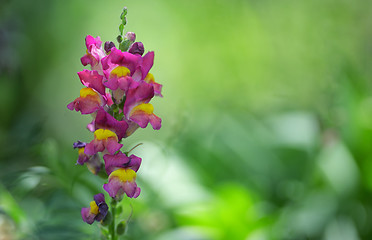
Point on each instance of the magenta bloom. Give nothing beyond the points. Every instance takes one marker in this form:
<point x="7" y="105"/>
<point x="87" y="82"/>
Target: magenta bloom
<point x="92" y="79"/>
<point x="104" y="139"/>
<point x="119" y="58"/>
<point x="122" y="180"/>
<point x="96" y="211"/>
<point x="143" y="66"/>
<point x="120" y="160"/>
<point x="124" y="71"/>
<point x="105" y="121"/>
<point x="118" y="68"/>
<point x="138" y="110"/>
<point x="119" y="78"/>
<point x="94" y="53"/>
<point x="137" y="65"/>
<point x="88" y="102"/>
<point x="119" y="81"/>
<point x="157" y="87"/>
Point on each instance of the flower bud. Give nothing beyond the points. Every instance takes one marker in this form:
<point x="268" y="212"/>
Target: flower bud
<point x="125" y="11"/>
<point x="119" y="38"/>
<point x="108" y="46"/>
<point x="124" y="45"/>
<point x="131" y="36"/>
<point x="124" y="21"/>
<point x="121" y="29"/>
<point x="79" y="144"/>
<point x="137" y="48"/>
<point x="120" y="229"/>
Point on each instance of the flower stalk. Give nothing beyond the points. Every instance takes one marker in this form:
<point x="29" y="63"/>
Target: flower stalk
<point x="112" y="228"/>
<point x="117" y="92"/>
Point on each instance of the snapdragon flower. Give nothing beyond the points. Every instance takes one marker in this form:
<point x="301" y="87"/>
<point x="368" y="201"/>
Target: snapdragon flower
<point x="121" y="160"/>
<point x="88" y="102"/>
<point x="122" y="175"/>
<point x="138" y="109"/>
<point x="122" y="180"/>
<point x="94" y="53"/>
<point x="92" y="79"/>
<point x="104" y="120"/>
<point x="104" y="139"/>
<point x="157" y="87"/>
<point x="96" y="211"/>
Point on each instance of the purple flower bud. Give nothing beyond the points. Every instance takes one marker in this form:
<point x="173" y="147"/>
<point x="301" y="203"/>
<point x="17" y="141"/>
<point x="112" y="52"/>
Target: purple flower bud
<point x="131" y="36"/>
<point x="108" y="46"/>
<point x="137" y="48"/>
<point x="79" y="144"/>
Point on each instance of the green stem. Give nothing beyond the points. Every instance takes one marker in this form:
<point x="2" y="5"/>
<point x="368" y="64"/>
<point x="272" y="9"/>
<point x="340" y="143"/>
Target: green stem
<point x="112" y="226"/>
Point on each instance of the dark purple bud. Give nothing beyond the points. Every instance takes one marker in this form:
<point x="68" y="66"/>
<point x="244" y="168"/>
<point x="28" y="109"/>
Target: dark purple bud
<point x="119" y="38"/>
<point x="131" y="36"/>
<point x="137" y="48"/>
<point x="79" y="144"/>
<point x="108" y="46"/>
<point x="102" y="206"/>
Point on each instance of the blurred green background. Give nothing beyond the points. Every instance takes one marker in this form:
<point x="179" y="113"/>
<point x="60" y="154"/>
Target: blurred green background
<point x="267" y="111"/>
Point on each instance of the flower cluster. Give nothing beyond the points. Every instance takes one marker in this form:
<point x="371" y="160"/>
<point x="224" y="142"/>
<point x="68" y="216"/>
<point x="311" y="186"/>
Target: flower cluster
<point x="117" y="93"/>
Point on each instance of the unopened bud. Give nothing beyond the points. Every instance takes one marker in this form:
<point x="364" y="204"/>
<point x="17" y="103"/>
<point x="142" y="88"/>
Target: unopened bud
<point x="108" y="46"/>
<point x="137" y="48"/>
<point x="120" y="229"/>
<point x="79" y="144"/>
<point x="131" y="36"/>
<point x="119" y="38"/>
<point x="124" y="21"/>
<point x="121" y="29"/>
<point x="125" y="11"/>
<point x="124" y="45"/>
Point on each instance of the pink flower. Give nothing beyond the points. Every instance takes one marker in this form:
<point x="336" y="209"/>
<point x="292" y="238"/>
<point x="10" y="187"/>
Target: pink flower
<point x="92" y="80"/>
<point x="105" y="121"/>
<point x="118" y="79"/>
<point x="143" y="114"/>
<point x="119" y="58"/>
<point x="120" y="160"/>
<point x="88" y="102"/>
<point x="138" y="110"/>
<point x="94" y="53"/>
<point x="122" y="180"/>
<point x="104" y="139"/>
<point x="143" y="66"/>
<point x="157" y="87"/>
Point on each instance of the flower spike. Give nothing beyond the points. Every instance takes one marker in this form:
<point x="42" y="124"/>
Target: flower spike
<point x="117" y="92"/>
